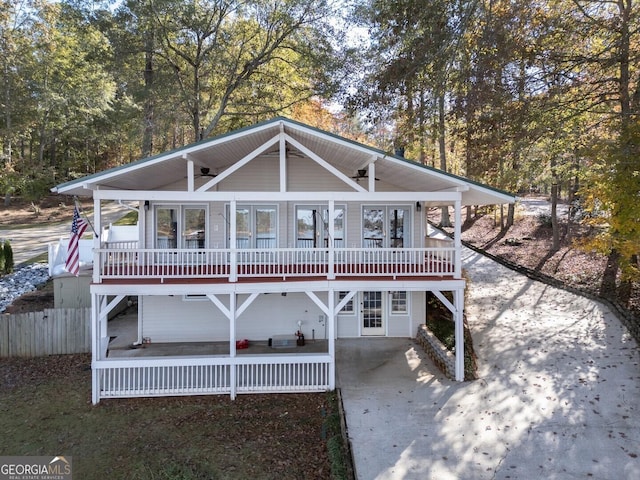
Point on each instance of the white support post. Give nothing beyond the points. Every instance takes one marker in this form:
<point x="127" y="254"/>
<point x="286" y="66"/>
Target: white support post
<point x="331" y="273"/>
<point x="331" y="319"/>
<point x="283" y="160"/>
<point x="95" y="345"/>
<point x="232" y="344"/>
<point x="372" y="177"/>
<point x="458" y="298"/>
<point x="457" y="238"/>
<point x="97" y="222"/>
<point x="190" y="174"/>
<point x="233" y="261"/>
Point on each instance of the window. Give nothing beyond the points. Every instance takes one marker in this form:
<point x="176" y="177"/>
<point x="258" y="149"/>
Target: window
<point x="256" y="226"/>
<point x="181" y="226"/>
<point x="312" y="226"/>
<point x="398" y="302"/>
<point x="348" y="307"/>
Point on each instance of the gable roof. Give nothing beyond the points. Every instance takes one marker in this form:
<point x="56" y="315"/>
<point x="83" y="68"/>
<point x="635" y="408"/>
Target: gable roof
<point x="221" y="152"/>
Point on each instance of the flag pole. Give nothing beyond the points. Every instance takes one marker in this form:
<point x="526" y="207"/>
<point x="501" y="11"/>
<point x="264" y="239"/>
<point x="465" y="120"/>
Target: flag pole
<point x="76" y="203"/>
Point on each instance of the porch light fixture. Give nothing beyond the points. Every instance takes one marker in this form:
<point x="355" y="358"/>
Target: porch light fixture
<point x="146" y="205"/>
<point x="418" y="206"/>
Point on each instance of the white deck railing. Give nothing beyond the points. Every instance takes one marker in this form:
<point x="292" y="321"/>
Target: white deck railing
<point x="155" y="377"/>
<point x="122" y="263"/>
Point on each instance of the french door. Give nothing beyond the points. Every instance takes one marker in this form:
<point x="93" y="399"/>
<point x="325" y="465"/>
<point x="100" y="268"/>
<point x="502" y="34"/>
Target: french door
<point x="256" y="226"/>
<point x="372" y="314"/>
<point x="386" y="227"/>
<point x="312" y="227"/>
<point x="181" y="226"/>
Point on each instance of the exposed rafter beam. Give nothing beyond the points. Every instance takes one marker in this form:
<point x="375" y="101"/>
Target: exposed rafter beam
<point x="324" y="164"/>
<point x="238" y="165"/>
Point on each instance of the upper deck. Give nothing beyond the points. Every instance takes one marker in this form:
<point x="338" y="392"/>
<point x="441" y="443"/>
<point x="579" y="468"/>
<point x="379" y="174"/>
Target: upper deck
<point x="124" y="265"/>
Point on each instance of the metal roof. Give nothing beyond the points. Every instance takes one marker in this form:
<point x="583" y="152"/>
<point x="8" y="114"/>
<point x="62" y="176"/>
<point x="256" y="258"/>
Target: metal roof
<point x="219" y="153"/>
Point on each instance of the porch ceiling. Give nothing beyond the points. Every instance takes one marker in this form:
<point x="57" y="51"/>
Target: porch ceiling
<point x="217" y="154"/>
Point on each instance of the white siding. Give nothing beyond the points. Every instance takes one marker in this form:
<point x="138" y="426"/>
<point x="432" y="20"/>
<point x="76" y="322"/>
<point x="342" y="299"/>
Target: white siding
<point x="348" y="325"/>
<point x="170" y="319"/>
<point x="274" y="314"/>
<point x="260" y="175"/>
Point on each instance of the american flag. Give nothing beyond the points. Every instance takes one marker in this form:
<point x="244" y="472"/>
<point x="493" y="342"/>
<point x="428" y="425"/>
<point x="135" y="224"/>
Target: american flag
<point x="78" y="226"/>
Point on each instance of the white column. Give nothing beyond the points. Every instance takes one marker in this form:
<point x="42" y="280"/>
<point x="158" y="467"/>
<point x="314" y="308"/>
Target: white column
<point x="97" y="222"/>
<point x="283" y="161"/>
<point x="458" y="298"/>
<point x="232" y="344"/>
<point x="331" y="319"/>
<point x="95" y="348"/>
<point x="372" y="177"/>
<point x="233" y="260"/>
<point x="457" y="238"/>
<point x="331" y="274"/>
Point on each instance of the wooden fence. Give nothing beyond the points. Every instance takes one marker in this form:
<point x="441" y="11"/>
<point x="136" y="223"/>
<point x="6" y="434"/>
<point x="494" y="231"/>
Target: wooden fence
<point x="54" y="331"/>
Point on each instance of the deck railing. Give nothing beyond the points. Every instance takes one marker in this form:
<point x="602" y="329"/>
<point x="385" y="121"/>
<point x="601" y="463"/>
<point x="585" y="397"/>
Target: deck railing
<point x="123" y="263"/>
<point x="155" y="377"/>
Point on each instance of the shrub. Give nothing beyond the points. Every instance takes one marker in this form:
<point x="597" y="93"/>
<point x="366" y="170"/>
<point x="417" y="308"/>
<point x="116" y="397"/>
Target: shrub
<point x="7" y="254"/>
<point x="2" y="262"/>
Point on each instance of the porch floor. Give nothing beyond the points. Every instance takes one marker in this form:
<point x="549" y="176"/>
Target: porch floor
<point x="211" y="348"/>
<point x="123" y="333"/>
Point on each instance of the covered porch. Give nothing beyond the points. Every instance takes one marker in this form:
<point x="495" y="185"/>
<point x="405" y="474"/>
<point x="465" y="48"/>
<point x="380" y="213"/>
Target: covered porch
<point x="124" y="365"/>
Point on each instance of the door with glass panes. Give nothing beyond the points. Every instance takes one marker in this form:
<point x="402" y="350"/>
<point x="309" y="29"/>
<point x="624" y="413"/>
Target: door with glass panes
<point x="312" y="226"/>
<point x="372" y="314"/>
<point x="256" y="226"/>
<point x="180" y="226"/>
<point x="386" y="227"/>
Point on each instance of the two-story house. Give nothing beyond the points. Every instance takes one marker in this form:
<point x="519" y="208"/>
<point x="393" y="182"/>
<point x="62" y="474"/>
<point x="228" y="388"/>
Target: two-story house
<point x="262" y="233"/>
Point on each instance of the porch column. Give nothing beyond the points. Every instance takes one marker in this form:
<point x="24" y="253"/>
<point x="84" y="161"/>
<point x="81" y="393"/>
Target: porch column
<point x="95" y="345"/>
<point x="331" y="273"/>
<point x="457" y="237"/>
<point x="232" y="343"/>
<point x="458" y="298"/>
<point x="97" y="221"/>
<point x="233" y="260"/>
<point x="331" y="319"/>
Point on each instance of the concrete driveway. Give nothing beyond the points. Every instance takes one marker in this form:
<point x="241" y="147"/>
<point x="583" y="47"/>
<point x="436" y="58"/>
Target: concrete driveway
<point x="558" y="395"/>
<point x="30" y="242"/>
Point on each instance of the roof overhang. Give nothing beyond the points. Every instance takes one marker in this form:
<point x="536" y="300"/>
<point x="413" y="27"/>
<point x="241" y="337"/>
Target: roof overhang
<point x="223" y="152"/>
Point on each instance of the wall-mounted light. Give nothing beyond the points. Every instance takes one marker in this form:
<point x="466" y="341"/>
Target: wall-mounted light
<point x="146" y="205"/>
<point x="418" y="206"/>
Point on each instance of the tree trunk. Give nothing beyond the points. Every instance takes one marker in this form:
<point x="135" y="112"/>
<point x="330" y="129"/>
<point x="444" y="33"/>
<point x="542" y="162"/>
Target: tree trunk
<point x="511" y="213"/>
<point x="147" y="138"/>
<point x="554" y="218"/>
<point x="445" y="221"/>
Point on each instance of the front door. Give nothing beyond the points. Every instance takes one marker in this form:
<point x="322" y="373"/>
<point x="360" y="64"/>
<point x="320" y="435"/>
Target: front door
<point x="372" y="314"/>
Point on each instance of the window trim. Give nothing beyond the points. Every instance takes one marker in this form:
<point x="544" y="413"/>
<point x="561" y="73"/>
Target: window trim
<point x="392" y="310"/>
<point x="344" y="311"/>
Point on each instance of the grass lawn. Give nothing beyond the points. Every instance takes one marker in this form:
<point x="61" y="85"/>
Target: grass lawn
<point x="45" y="409"/>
